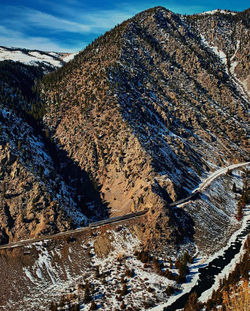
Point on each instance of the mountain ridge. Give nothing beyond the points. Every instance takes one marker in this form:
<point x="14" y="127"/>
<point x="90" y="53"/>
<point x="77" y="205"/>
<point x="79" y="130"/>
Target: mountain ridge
<point x="143" y="113"/>
<point x="107" y="94"/>
<point x="35" y="57"/>
<point x="138" y="120"/>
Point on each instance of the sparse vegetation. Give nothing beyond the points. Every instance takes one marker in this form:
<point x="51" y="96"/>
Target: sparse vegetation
<point x="137" y="118"/>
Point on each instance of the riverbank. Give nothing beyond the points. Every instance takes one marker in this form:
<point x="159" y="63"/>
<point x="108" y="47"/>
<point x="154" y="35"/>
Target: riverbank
<point x="236" y="259"/>
<point x="206" y="270"/>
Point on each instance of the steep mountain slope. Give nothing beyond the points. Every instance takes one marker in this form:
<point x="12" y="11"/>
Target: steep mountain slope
<point x="34" y="198"/>
<point x="228" y="35"/>
<point x="147" y="109"/>
<point x="42" y="191"/>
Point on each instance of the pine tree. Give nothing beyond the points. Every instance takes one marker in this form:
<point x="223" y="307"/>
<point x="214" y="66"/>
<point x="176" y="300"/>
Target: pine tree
<point x="93" y="306"/>
<point x="123" y="305"/>
<point x="53" y="306"/>
<point x="170" y="263"/>
<point x="87" y="296"/>
<point x="234" y="188"/>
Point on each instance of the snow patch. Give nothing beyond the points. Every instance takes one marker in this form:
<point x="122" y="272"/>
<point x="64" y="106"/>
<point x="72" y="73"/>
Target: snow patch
<point x="69" y="57"/>
<point x="29" y="57"/>
<point x="218" y="11"/>
<point x="29" y="275"/>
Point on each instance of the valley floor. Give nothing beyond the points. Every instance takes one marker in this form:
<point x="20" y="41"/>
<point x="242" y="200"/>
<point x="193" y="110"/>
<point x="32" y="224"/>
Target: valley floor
<point x="99" y="267"/>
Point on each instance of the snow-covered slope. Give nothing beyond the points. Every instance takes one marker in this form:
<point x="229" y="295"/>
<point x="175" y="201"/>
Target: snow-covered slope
<point x="108" y="259"/>
<point x="227" y="34"/>
<point x="218" y="11"/>
<point x="69" y="57"/>
<point x="35" y="57"/>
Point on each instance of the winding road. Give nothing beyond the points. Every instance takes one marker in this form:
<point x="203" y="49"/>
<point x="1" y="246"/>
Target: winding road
<point x="118" y="219"/>
<point x="208" y="181"/>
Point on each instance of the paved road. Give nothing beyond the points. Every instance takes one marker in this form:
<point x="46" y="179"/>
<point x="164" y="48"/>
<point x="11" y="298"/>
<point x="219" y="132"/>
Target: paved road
<point x="208" y="181"/>
<point x="216" y="174"/>
<point x="202" y="186"/>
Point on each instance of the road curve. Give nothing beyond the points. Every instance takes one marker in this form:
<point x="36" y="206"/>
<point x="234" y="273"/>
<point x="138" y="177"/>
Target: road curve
<point x="208" y="181"/>
<point x="118" y="219"/>
<point x="219" y="172"/>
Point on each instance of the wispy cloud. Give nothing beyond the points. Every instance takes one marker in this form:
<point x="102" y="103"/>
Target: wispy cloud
<point x="34" y="18"/>
<point x="83" y="22"/>
<point x="46" y="24"/>
<point x="17" y="39"/>
<point x="33" y="28"/>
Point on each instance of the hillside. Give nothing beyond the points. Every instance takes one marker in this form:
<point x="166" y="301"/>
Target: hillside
<point x="37" y="195"/>
<point x="152" y="112"/>
<point x="35" y="57"/>
<point x="228" y="36"/>
<point x="108" y="266"/>
<point x="147" y="109"/>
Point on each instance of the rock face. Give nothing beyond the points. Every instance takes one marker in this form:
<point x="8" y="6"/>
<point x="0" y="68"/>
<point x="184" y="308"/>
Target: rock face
<point x="34" y="198"/>
<point x="146" y="109"/>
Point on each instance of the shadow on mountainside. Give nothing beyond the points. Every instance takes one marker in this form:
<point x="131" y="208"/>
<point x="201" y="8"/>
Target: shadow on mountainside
<point x="19" y="91"/>
<point x="184" y="226"/>
<point x="86" y="190"/>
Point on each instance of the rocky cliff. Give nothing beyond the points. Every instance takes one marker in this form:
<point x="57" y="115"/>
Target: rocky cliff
<point x="42" y="191"/>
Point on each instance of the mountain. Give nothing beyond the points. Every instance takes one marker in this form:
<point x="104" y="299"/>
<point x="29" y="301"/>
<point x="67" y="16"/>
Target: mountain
<point x="133" y="122"/>
<point x="152" y="112"/>
<point x="35" y="57"/>
<point x="217" y="11"/>
<point x="228" y="36"/>
<point x="148" y="109"/>
<point x="37" y="196"/>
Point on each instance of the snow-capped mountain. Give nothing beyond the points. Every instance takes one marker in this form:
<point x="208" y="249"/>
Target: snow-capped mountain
<point x="35" y="57"/>
<point x="218" y="11"/>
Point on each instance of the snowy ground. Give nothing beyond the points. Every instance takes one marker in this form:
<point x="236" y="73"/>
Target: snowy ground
<point x="145" y="288"/>
<point x="218" y="11"/>
<point x="61" y="272"/>
<point x="229" y="268"/>
<point x="34" y="57"/>
<point x="203" y="262"/>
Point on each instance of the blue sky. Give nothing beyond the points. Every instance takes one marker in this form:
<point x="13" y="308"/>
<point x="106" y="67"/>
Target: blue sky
<point x="69" y="25"/>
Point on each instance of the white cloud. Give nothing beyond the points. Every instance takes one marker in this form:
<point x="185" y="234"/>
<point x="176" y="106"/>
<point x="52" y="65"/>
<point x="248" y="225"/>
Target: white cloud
<point x="32" y="28"/>
<point x="32" y="43"/>
<point x="80" y="22"/>
<point x="30" y="17"/>
<point x="106" y="19"/>
<point x="12" y="38"/>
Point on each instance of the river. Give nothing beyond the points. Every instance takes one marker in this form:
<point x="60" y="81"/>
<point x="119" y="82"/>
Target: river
<point x="208" y="274"/>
